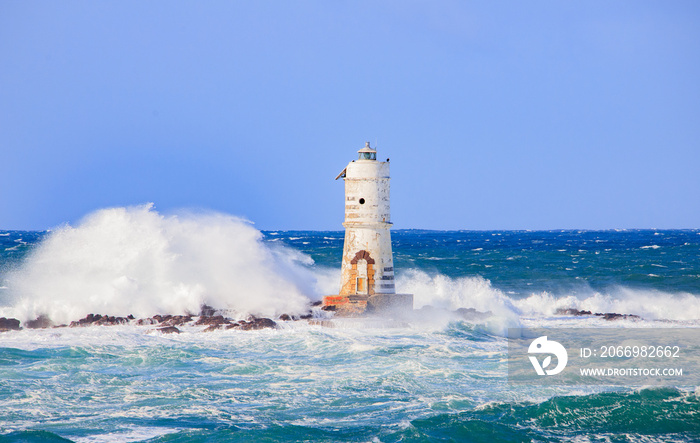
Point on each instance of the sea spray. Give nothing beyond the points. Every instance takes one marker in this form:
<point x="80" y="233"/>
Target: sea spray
<point x="137" y="261"/>
<point x="123" y="261"/>
<point x="650" y="304"/>
<point x="302" y="381"/>
<point x="450" y="294"/>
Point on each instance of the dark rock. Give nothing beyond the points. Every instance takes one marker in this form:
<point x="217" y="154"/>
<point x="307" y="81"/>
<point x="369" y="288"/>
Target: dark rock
<point x="166" y="320"/>
<point x="177" y="320"/>
<point x="207" y="311"/>
<point x="88" y="320"/>
<point x="317" y="303"/>
<point x="605" y="315"/>
<point x="571" y="311"/>
<point x="233" y="325"/>
<point x="472" y="314"/>
<point x="306" y="316"/>
<point x="616" y="316"/>
<point x="285" y="317"/>
<point x="212" y="328"/>
<point x="41" y="322"/>
<point x="99" y="320"/>
<point x="111" y="321"/>
<point x="212" y="320"/>
<point x="9" y="324"/>
<point x="169" y="330"/>
<point x="257" y="323"/>
<point x="328" y="308"/>
<point x="108" y="320"/>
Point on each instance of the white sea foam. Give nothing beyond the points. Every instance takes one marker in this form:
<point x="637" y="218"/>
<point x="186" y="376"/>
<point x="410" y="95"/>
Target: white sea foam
<point x="648" y="304"/>
<point x="478" y="293"/>
<point x="444" y="292"/>
<point x="134" y="260"/>
<point x="121" y="261"/>
<point x="139" y="433"/>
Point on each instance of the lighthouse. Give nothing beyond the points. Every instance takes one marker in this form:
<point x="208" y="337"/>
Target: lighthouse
<point x="367" y="277"/>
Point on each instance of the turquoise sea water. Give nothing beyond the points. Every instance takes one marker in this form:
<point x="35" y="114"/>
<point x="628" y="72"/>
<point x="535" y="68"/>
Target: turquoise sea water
<point x="429" y="379"/>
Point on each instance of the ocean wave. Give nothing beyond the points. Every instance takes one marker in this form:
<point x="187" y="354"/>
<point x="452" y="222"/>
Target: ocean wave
<point x="479" y="293"/>
<point x="652" y="415"/>
<point x="648" y="304"/>
<point x="447" y="293"/>
<point x="133" y="260"/>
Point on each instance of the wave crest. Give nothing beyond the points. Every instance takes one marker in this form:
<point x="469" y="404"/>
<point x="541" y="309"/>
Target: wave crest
<point x="477" y="292"/>
<point x="133" y="260"/>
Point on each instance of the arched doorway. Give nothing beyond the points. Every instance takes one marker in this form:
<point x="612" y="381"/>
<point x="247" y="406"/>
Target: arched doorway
<point x="363" y="272"/>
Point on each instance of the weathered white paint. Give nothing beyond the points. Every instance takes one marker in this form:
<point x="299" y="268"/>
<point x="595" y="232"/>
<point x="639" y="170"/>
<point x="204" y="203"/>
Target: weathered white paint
<point x="367" y="224"/>
<point x="367" y="277"/>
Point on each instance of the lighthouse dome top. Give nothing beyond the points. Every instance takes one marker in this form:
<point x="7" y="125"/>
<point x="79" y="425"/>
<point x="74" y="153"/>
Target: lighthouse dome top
<point x="367" y="153"/>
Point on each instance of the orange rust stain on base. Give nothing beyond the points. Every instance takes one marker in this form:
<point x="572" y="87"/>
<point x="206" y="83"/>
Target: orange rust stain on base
<point x="346" y="305"/>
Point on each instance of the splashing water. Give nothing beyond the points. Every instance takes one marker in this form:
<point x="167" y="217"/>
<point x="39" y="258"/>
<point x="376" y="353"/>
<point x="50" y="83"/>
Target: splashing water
<point x="134" y="260"/>
<point x="428" y="379"/>
<point x="122" y="261"/>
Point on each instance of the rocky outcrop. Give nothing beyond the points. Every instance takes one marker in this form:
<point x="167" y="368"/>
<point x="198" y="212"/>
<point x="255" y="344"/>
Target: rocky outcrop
<point x="219" y="322"/>
<point x="605" y="316"/>
<point x="257" y="323"/>
<point x="206" y="311"/>
<point x="166" y="324"/>
<point x="41" y="322"/>
<point x="165" y="320"/>
<point x="571" y="311"/>
<point x="168" y="330"/>
<point x="214" y="320"/>
<point x="174" y="320"/>
<point x="101" y="320"/>
<point x="471" y="314"/>
<point x="9" y="324"/>
<point x="615" y="316"/>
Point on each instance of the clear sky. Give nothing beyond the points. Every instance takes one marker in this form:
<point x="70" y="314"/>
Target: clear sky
<point x="495" y="114"/>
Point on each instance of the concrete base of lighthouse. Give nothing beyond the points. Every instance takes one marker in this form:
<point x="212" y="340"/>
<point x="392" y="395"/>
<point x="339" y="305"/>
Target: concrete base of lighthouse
<point x="358" y="305"/>
<point x="390" y="303"/>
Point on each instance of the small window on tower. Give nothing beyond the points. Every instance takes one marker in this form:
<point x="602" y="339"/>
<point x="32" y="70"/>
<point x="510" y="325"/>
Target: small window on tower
<point x="362" y="201"/>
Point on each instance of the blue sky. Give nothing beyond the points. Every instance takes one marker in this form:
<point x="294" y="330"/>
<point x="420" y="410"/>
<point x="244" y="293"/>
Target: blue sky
<point x="496" y="115"/>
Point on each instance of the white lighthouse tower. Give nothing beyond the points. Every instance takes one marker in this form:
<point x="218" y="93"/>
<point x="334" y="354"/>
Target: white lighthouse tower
<point x="367" y="280"/>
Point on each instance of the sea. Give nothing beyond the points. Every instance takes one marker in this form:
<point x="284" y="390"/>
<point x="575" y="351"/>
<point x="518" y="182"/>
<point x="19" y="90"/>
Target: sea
<point x="435" y="376"/>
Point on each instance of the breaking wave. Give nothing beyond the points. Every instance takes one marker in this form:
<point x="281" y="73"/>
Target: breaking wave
<point x="478" y="293"/>
<point x="134" y="260"/>
<point x="648" y="304"/>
